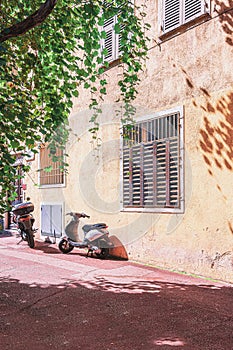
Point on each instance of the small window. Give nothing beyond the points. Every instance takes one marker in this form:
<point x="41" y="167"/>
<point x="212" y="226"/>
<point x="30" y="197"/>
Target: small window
<point x="18" y="183"/>
<point x="111" y="41"/>
<point x="178" y="12"/>
<point x="111" y="44"/>
<point x="152" y="157"/>
<point x="50" y="172"/>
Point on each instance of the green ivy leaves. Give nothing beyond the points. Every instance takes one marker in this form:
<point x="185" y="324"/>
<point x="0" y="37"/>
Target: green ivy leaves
<point x="43" y="71"/>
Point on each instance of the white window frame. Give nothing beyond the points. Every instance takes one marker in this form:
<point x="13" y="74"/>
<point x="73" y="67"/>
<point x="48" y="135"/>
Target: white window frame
<point x="180" y="209"/>
<point x="205" y="10"/>
<point x="109" y="28"/>
<point x="44" y="186"/>
<point x="116" y="50"/>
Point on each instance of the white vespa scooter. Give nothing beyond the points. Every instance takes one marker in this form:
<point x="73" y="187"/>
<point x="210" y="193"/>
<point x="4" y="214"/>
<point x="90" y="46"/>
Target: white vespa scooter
<point x="95" y="239"/>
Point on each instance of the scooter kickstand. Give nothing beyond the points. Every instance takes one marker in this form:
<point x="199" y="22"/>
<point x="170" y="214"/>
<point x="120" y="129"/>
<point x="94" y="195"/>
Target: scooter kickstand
<point x="20" y="241"/>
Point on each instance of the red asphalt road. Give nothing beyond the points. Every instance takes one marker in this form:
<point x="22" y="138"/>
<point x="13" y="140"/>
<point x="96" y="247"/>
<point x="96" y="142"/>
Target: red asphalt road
<point x="49" y="300"/>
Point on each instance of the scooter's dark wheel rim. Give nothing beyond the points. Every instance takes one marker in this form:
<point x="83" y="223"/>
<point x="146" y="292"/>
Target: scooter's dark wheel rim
<point x="23" y="235"/>
<point x="104" y="253"/>
<point x="30" y="238"/>
<point x="64" y="246"/>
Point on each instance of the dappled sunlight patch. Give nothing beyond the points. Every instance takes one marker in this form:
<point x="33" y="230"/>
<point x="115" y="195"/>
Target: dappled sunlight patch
<point x="169" y="341"/>
<point x="134" y="285"/>
<point x="116" y="286"/>
<point x="209" y="287"/>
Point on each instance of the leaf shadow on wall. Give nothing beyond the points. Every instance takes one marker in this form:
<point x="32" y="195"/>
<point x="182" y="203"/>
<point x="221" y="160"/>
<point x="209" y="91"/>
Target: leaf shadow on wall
<point x="225" y="12"/>
<point x="216" y="139"/>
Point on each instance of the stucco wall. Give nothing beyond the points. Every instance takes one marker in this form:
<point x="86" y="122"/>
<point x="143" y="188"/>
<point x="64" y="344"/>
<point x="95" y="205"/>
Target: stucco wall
<point x="194" y="69"/>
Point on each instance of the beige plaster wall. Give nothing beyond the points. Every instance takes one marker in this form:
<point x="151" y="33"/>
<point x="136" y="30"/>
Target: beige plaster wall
<point x="193" y="69"/>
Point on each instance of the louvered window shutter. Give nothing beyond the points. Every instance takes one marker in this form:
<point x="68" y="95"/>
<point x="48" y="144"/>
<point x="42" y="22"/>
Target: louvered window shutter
<point x="112" y="42"/>
<point x="137" y="180"/>
<point x="167" y="158"/>
<point x="151" y="164"/>
<point x="171" y="14"/>
<point x="193" y="9"/>
<point x="127" y="177"/>
<point x="109" y="43"/>
<point x="178" y="12"/>
<point x="119" y="42"/>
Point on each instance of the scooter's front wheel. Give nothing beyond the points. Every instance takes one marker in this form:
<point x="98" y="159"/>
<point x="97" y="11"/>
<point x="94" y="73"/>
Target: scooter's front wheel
<point x="64" y="246"/>
<point x="103" y="254"/>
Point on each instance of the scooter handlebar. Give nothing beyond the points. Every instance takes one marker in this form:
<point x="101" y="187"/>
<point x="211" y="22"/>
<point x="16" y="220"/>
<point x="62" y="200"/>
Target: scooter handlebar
<point x="80" y="215"/>
<point x="85" y="215"/>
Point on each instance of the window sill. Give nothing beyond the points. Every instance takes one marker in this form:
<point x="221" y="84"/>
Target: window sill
<point x="51" y="186"/>
<point x="112" y="64"/>
<point x="184" y="27"/>
<point x="154" y="210"/>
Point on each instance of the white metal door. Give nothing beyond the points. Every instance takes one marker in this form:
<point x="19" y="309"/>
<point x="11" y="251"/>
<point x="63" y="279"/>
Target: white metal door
<point x="51" y="220"/>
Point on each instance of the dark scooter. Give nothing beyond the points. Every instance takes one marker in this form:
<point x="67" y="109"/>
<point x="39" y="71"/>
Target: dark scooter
<point x="95" y="239"/>
<point x="24" y="220"/>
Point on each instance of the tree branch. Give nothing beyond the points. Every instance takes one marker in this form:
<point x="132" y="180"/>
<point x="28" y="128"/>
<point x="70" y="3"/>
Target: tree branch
<point x="30" y="22"/>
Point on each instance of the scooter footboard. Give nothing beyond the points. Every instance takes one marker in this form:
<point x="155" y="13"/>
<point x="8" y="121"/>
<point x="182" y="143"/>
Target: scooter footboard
<point x="77" y="244"/>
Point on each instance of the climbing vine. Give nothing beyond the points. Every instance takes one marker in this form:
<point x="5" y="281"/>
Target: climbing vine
<point x="42" y="69"/>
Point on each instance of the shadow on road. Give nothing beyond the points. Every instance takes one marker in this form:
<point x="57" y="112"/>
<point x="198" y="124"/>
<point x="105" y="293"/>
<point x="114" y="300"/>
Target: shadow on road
<point x="48" y="248"/>
<point x="4" y="233"/>
<point x="105" y="314"/>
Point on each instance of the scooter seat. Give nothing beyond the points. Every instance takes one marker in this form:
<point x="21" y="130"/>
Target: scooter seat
<point x="100" y="225"/>
<point x="97" y="226"/>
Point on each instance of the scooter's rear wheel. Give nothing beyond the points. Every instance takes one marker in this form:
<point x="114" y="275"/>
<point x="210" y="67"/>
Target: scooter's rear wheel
<point x="64" y="246"/>
<point x="23" y="235"/>
<point x="30" y="238"/>
<point x="103" y="254"/>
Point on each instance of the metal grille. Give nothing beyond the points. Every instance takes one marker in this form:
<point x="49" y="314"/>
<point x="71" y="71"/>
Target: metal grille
<point x="151" y="163"/>
<point x="55" y="175"/>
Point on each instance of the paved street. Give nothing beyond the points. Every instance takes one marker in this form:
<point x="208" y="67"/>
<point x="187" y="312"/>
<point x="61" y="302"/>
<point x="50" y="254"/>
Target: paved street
<point x="49" y="300"/>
